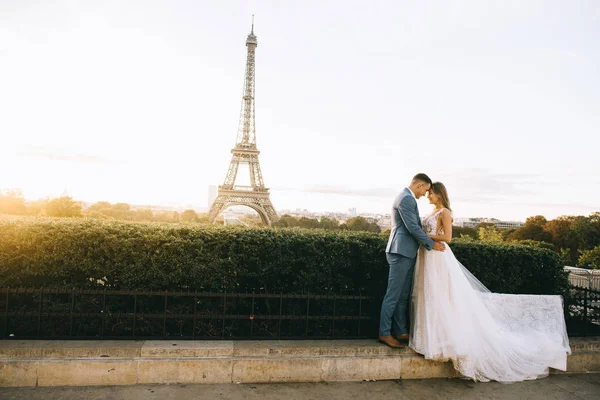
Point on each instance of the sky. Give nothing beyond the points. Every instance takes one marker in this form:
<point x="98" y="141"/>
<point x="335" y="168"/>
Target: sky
<point x="138" y="101"/>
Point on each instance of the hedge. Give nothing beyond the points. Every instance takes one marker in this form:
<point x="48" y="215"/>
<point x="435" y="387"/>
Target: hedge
<point x="83" y="253"/>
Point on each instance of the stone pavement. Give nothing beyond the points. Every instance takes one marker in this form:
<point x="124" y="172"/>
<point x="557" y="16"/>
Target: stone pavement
<point x="87" y="363"/>
<point x="580" y="386"/>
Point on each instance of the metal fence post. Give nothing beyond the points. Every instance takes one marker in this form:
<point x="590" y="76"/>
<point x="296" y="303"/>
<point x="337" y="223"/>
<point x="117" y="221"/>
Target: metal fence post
<point x="224" y="308"/>
<point x="194" y="323"/>
<point x="165" y="317"/>
<point x="252" y="316"/>
<point x="307" y="313"/>
<point x="103" y="314"/>
<point x="585" y="311"/>
<point x="280" y="310"/>
<point x="359" y="312"/>
<point x="6" y="314"/>
<point x="134" y="314"/>
<point x="333" y="329"/>
<point x="71" y="313"/>
<point x="39" y="325"/>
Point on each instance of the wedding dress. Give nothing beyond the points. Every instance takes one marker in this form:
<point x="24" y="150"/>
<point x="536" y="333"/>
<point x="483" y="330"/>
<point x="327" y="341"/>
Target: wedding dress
<point x="488" y="336"/>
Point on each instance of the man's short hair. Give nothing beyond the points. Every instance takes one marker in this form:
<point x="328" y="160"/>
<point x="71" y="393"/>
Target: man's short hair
<point x="423" y="178"/>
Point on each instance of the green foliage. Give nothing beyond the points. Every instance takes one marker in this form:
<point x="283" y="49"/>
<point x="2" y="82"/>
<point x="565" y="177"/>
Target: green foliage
<point x="288" y="221"/>
<point x="534" y="243"/>
<point x="361" y="224"/>
<point x="12" y="202"/>
<point x="37" y="251"/>
<point x="329" y="223"/>
<point x="590" y="258"/>
<point x="532" y="230"/>
<point x="490" y="234"/>
<point x="464" y="231"/>
<point x="63" y="207"/>
<point x="573" y="234"/>
<point x="510" y="268"/>
<point x="308" y="223"/>
<point x="189" y="216"/>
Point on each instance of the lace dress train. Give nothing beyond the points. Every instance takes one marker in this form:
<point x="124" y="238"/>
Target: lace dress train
<point x="488" y="336"/>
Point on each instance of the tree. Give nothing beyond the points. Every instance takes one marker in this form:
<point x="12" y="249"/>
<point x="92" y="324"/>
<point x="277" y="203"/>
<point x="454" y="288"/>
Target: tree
<point x="590" y="258"/>
<point x="12" y="202"/>
<point x="507" y="232"/>
<point x="63" y="207"/>
<point x="100" y="206"/>
<point x="562" y="238"/>
<point x="559" y="231"/>
<point x="538" y="220"/>
<point x="308" y="223"/>
<point x="462" y="231"/>
<point x="286" y="221"/>
<point x="490" y="234"/>
<point x="121" y="211"/>
<point x="203" y="218"/>
<point x="486" y="225"/>
<point x="532" y="230"/>
<point x="37" y="207"/>
<point x="95" y="214"/>
<point x="252" y="220"/>
<point x="572" y="234"/>
<point x="167" y="216"/>
<point x="189" y="216"/>
<point x="361" y="224"/>
<point x="143" y="215"/>
<point x="329" y="223"/>
<point x="586" y="232"/>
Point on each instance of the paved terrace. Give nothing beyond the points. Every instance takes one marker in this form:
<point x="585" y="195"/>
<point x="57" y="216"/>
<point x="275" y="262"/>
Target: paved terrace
<point x="581" y="386"/>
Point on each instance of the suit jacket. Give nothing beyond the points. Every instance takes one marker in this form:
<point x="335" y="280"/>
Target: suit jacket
<point x="406" y="233"/>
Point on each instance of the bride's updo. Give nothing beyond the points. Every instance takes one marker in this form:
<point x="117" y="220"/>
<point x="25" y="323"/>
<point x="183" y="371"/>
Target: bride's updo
<point x="439" y="189"/>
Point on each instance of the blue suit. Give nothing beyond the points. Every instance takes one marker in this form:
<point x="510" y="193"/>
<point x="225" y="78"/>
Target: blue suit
<point x="401" y="253"/>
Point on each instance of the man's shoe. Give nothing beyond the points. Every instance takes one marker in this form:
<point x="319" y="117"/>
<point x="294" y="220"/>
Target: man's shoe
<point x="390" y="341"/>
<point x="402" y="338"/>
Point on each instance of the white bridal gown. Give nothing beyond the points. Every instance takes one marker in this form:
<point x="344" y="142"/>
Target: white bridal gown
<point x="488" y="336"/>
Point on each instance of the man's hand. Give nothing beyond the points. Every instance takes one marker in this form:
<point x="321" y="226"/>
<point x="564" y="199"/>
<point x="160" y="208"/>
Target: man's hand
<point x="439" y="246"/>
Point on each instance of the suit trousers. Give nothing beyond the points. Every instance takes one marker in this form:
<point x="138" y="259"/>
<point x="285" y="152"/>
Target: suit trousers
<point x="395" y="303"/>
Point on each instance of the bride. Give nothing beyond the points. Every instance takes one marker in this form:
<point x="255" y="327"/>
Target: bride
<point x="488" y="336"/>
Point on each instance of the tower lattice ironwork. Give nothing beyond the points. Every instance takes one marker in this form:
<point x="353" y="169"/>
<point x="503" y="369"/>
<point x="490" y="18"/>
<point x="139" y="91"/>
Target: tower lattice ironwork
<point x="255" y="196"/>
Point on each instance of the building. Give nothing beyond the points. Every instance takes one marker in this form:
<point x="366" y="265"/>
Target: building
<point x="352" y="212"/>
<point x="474" y="222"/>
<point x="585" y="278"/>
<point x="385" y="222"/>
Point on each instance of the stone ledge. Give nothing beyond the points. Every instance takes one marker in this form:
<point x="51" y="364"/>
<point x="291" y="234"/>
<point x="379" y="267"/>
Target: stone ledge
<point x="20" y="349"/>
<point x="86" y="363"/>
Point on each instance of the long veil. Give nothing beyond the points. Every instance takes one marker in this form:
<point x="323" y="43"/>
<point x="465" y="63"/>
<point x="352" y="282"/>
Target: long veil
<point x="487" y="335"/>
<point x="473" y="281"/>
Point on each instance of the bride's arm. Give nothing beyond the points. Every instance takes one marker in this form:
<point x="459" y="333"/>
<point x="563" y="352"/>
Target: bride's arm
<point x="446" y="218"/>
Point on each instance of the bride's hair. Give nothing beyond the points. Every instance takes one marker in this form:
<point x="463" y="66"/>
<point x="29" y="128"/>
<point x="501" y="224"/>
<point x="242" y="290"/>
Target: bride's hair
<point x="439" y="189"/>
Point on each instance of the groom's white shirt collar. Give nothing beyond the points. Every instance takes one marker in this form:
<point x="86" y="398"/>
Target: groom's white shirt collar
<point x="411" y="192"/>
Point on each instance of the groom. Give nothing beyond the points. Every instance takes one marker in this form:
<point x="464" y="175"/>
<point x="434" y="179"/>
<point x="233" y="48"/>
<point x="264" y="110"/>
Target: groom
<point x="401" y="253"/>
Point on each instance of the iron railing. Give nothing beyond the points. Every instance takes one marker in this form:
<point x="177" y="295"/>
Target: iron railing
<point x="37" y="313"/>
<point x="582" y="311"/>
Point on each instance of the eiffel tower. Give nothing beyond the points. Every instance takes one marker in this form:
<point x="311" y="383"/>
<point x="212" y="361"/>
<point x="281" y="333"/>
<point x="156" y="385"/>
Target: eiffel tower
<point x="255" y="196"/>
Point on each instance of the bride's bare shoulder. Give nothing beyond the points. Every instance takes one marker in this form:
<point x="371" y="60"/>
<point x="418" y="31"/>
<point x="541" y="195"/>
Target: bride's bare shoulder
<point x="446" y="212"/>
